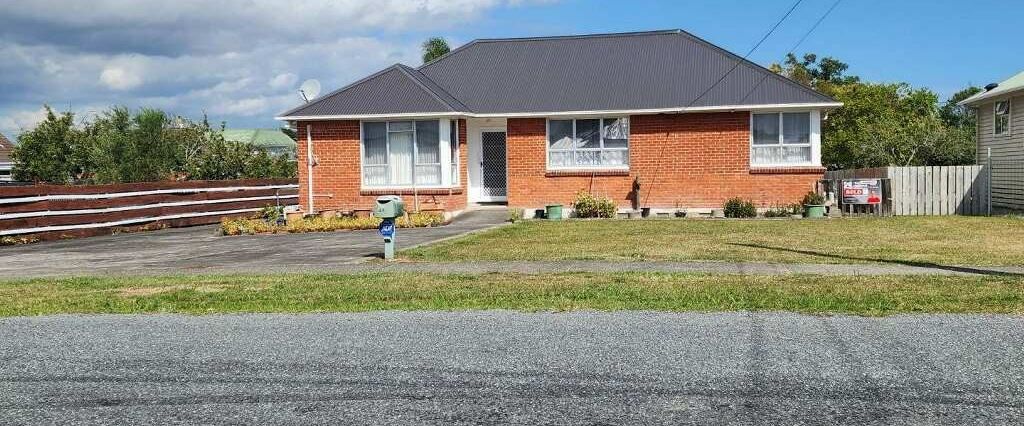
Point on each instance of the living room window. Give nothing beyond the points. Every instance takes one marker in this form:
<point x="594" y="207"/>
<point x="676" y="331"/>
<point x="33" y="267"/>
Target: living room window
<point x="1002" y="117"/>
<point x="399" y="153"/>
<point x="593" y="143"/>
<point x="780" y="139"/>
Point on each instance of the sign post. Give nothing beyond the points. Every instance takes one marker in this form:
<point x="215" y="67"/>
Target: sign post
<point x="387" y="230"/>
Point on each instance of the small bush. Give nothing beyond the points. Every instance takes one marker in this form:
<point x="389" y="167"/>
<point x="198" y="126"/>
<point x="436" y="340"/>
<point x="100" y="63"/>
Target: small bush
<point x="813" y="199"/>
<point x="738" y="208"/>
<point x="589" y="205"/>
<point x="783" y="210"/>
<point x="515" y="215"/>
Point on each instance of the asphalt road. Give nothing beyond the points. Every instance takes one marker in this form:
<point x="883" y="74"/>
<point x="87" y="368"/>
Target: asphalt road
<point x="503" y="367"/>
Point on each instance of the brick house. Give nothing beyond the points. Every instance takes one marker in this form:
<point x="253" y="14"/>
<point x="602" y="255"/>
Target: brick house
<point x="532" y="121"/>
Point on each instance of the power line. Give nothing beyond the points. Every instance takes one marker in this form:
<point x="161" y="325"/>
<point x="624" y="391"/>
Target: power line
<point x="793" y="49"/>
<point x="737" y="64"/>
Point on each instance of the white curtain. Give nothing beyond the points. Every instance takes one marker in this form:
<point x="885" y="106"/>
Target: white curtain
<point x="400" y="158"/>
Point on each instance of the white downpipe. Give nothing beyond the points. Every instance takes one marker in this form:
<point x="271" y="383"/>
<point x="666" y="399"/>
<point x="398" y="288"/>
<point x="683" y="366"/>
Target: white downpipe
<point x="309" y="166"/>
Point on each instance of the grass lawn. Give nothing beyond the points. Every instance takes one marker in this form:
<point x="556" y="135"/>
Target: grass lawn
<point x="949" y="240"/>
<point x="559" y="292"/>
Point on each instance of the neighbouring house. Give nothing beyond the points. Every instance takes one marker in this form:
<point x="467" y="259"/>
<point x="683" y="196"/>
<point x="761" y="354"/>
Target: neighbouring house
<point x="273" y="141"/>
<point x="6" y="165"/>
<point x="658" y="119"/>
<point x="1000" y="112"/>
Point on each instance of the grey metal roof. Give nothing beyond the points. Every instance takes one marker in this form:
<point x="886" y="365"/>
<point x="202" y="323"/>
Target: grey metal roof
<point x="394" y="90"/>
<point x="625" y="71"/>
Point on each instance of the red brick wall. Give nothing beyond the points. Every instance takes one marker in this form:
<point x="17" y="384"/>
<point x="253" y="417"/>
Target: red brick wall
<point x="686" y="160"/>
<point x="336" y="175"/>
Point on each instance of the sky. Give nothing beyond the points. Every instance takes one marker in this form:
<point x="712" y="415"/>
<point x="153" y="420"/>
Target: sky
<point x="242" y="61"/>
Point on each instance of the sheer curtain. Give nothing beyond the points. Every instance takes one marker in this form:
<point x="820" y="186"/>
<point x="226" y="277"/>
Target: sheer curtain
<point x="400" y="138"/>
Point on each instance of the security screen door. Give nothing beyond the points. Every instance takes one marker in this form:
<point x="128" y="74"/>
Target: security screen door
<point x="493" y="165"/>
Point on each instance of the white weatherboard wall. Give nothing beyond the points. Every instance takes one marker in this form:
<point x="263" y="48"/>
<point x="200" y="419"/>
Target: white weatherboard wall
<point x="1007" y="153"/>
<point x="930" y="190"/>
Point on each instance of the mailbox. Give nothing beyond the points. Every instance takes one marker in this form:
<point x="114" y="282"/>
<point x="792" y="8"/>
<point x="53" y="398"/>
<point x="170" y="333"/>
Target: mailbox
<point x="389" y="207"/>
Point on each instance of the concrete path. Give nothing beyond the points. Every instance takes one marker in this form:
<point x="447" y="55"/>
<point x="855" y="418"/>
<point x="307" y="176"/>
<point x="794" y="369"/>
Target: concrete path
<point x="199" y="250"/>
<point x="496" y="367"/>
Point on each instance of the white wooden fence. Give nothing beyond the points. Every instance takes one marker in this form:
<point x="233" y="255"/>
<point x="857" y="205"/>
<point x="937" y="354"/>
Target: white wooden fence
<point x="930" y="190"/>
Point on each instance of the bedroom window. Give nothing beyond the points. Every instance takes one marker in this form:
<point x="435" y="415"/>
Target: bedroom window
<point x="598" y="143"/>
<point x="780" y="139"/>
<point x="1002" y="121"/>
<point x="398" y="153"/>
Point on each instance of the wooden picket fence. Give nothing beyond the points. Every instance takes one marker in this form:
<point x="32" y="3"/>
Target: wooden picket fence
<point x="56" y="211"/>
<point x="930" y="190"/>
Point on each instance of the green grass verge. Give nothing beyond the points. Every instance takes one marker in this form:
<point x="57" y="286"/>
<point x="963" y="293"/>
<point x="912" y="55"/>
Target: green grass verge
<point x="949" y="240"/>
<point x="559" y="292"/>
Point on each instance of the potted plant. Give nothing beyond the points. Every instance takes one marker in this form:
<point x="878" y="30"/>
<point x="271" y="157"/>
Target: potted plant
<point x="814" y="205"/>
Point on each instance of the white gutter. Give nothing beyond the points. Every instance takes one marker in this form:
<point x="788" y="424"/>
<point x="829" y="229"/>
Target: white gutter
<point x="675" y="110"/>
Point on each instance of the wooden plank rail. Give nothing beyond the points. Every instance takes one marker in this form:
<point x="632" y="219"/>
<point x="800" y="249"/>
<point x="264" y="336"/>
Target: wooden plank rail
<point x="53" y="211"/>
<point x="930" y="190"/>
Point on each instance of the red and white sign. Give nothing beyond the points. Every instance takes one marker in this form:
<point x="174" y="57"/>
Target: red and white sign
<point x="862" y="191"/>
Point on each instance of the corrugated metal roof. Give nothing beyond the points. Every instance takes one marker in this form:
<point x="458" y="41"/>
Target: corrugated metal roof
<point x="393" y="90"/>
<point x="1011" y="85"/>
<point x="259" y="137"/>
<point x="625" y="71"/>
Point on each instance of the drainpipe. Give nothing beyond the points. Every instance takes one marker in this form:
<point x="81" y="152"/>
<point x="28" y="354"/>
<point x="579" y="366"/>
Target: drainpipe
<point x="309" y="166"/>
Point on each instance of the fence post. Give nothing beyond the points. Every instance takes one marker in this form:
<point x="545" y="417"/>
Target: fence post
<point x="988" y="183"/>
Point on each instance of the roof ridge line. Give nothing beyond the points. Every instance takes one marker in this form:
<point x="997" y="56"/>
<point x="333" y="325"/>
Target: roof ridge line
<point x="405" y="70"/>
<point x="579" y="36"/>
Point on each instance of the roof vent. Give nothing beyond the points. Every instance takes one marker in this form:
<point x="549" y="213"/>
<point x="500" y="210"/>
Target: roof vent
<point x="991" y="86"/>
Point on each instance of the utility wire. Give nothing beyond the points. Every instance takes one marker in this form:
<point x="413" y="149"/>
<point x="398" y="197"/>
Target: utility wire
<point x="795" y="46"/>
<point x="661" y="156"/>
<point x="737" y="64"/>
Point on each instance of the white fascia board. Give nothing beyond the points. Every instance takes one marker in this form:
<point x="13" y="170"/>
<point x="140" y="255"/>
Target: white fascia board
<point x="676" y="110"/>
<point x="990" y="96"/>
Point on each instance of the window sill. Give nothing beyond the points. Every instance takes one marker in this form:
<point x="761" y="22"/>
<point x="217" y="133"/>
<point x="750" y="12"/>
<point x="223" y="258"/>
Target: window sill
<point x="411" y="191"/>
<point x="586" y="172"/>
<point x="787" y="170"/>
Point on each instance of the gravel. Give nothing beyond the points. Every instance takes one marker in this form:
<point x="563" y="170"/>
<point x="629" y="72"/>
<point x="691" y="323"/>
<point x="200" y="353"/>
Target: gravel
<point x="494" y="367"/>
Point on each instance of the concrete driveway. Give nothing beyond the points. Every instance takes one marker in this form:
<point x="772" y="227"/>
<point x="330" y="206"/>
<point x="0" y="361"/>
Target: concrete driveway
<point x="496" y="367"/>
<point x="201" y="250"/>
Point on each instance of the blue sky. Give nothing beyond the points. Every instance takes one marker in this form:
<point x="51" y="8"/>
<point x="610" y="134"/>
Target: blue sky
<point x="242" y="62"/>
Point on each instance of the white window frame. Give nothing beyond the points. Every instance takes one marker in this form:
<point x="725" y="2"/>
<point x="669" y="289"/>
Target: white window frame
<point x="455" y="172"/>
<point x="600" y="126"/>
<point x="814" y="140"/>
<point x="444" y="151"/>
<point x="1009" y="118"/>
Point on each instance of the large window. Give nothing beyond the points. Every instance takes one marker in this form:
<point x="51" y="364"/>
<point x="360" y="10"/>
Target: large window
<point x="1002" y="116"/>
<point x="399" y="153"/>
<point x="453" y="140"/>
<point x="780" y="139"/>
<point x="588" y="143"/>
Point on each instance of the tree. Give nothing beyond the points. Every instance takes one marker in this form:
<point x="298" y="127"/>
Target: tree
<point x="50" y="152"/>
<point x="133" y="147"/>
<point x="434" y="48"/>
<point x="884" y="124"/>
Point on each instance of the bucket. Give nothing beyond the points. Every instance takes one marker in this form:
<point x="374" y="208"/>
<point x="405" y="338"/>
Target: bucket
<point x="553" y="212"/>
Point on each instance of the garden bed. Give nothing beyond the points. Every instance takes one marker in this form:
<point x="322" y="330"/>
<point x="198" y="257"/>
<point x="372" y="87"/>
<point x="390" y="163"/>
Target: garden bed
<point x="253" y="226"/>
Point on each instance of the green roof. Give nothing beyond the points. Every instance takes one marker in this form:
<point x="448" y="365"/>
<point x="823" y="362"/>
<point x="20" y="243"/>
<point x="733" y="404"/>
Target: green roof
<point x="1012" y="84"/>
<point x="259" y="137"/>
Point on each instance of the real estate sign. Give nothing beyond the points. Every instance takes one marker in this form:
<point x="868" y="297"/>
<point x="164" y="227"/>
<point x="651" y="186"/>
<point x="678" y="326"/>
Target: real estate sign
<point x="862" y="191"/>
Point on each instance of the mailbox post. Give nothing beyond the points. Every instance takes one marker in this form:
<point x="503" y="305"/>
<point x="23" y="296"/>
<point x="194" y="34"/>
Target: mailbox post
<point x="388" y="208"/>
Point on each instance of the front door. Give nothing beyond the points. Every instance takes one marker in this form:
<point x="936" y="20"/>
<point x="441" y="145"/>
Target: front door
<point x="494" y="184"/>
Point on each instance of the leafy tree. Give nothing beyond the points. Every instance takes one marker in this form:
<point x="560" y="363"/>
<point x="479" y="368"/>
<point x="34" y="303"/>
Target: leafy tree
<point x="139" y="147"/>
<point x="50" y="152"/>
<point x="882" y="124"/>
<point x="434" y="48"/>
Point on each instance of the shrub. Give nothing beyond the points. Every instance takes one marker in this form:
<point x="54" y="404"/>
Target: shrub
<point x="737" y="208"/>
<point x="813" y="199"/>
<point x="589" y="205"/>
<point x="782" y="210"/>
<point x="515" y="215"/>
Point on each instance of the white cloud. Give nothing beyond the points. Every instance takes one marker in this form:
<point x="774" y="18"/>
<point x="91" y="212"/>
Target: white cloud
<point x="240" y="61"/>
<point x="120" y="78"/>
<point x="283" y="81"/>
